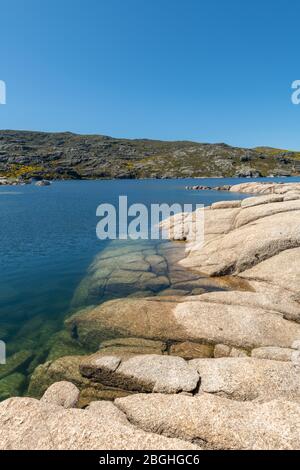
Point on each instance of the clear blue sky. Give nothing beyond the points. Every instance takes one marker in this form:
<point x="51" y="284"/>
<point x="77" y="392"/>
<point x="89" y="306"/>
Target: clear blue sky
<point x="210" y="71"/>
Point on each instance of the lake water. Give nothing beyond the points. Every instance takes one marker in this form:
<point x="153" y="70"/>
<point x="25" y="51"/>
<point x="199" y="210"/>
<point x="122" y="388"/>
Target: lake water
<point x="47" y="242"/>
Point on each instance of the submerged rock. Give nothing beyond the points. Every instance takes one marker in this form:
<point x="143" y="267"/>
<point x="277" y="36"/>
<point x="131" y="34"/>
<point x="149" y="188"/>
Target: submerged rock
<point x="67" y="369"/>
<point x="120" y="271"/>
<point x="128" y="346"/>
<point x="190" y="350"/>
<point x="137" y="269"/>
<point x="15" y="362"/>
<point x="12" y="385"/>
<point x="61" y="344"/>
<point x="63" y="369"/>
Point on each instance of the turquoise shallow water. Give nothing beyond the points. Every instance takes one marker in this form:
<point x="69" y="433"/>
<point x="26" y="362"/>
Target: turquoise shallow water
<point x="48" y="240"/>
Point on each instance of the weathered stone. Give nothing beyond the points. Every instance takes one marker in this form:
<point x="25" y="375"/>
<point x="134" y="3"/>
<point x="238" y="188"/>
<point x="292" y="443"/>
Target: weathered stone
<point x="132" y="346"/>
<point x="144" y="373"/>
<point x="265" y="297"/>
<point x="282" y="270"/>
<point x="63" y="394"/>
<point x="248" y="378"/>
<point x="217" y="423"/>
<point x="248" y="245"/>
<point x="291" y="196"/>
<point x="238" y="352"/>
<point x="67" y="369"/>
<point x="29" y="424"/>
<point x="256" y="201"/>
<point x="264" y="188"/>
<point x="226" y="204"/>
<point x="172" y="292"/>
<point x="295" y="359"/>
<point x="251" y="214"/>
<point x="141" y="318"/>
<point x="222" y="350"/>
<point x="90" y="394"/>
<point x="245" y="328"/>
<point x="277" y="297"/>
<point x="99" y="367"/>
<point x="62" y="369"/>
<point x="296" y="344"/>
<point x="189" y="350"/>
<point x="185" y="319"/>
<point x="273" y="353"/>
<point x="198" y="291"/>
<point x="256" y="240"/>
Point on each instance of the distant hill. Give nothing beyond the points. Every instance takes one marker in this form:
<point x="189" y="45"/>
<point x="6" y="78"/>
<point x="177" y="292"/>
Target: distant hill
<point x="65" y="155"/>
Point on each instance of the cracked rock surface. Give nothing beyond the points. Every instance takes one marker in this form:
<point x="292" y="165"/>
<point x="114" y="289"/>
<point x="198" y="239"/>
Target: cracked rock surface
<point x="217" y="423"/>
<point x="144" y="373"/>
<point x="29" y="424"/>
<point x="207" y="355"/>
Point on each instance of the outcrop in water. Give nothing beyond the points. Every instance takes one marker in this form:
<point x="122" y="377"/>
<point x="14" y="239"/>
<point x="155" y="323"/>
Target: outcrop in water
<point x="216" y="370"/>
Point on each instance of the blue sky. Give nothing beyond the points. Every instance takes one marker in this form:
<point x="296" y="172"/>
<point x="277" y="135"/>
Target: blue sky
<point x="209" y="71"/>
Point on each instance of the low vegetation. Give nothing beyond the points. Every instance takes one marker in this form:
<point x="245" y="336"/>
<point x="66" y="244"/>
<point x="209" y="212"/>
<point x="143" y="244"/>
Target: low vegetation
<point x="69" y="156"/>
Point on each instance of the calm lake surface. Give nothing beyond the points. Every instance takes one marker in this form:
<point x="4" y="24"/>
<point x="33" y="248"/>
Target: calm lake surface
<point x="48" y="240"/>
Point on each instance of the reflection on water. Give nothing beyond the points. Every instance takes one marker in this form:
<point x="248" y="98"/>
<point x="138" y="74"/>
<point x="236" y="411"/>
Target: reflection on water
<point x="52" y="263"/>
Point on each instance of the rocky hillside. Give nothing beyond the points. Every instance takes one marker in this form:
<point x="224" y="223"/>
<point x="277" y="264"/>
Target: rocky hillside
<point x="26" y="154"/>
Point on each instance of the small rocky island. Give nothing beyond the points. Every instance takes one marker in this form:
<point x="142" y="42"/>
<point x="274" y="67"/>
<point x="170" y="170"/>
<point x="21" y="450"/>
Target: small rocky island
<point x="178" y="367"/>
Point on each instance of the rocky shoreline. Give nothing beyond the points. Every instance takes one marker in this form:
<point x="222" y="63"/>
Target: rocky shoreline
<point x="247" y="188"/>
<point x="22" y="182"/>
<point x="177" y="367"/>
